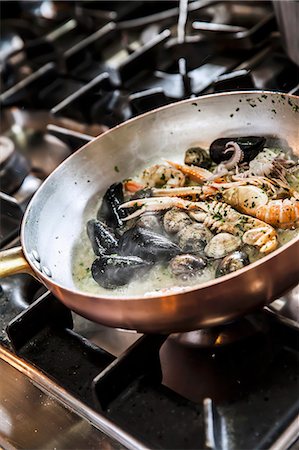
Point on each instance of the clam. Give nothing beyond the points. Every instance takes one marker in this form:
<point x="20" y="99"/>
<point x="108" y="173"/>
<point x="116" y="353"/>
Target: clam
<point x="187" y="266"/>
<point x="235" y="261"/>
<point x="250" y="146"/>
<point x="175" y="220"/>
<point x="221" y="245"/>
<point x="101" y="237"/>
<point x="193" y="238"/>
<point x="150" y="221"/>
<point x="197" y="156"/>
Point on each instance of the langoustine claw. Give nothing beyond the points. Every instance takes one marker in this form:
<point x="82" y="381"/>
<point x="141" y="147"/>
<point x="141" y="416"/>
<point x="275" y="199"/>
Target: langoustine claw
<point x="191" y="192"/>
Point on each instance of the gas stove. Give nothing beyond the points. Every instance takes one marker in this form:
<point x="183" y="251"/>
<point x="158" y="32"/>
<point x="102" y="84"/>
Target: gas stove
<point x="69" y="71"/>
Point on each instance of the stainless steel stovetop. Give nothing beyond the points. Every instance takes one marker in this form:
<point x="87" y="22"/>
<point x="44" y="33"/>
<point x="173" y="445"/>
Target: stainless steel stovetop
<point x="69" y="71"/>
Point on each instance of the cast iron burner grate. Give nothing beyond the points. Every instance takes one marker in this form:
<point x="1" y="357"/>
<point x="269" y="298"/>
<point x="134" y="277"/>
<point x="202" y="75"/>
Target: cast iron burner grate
<point x="168" y="396"/>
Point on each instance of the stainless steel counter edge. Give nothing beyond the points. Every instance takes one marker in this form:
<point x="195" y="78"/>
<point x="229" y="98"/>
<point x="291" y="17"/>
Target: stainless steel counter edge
<point x="53" y="389"/>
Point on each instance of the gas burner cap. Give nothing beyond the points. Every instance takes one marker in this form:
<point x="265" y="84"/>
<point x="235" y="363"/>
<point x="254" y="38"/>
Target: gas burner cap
<point x="6" y="149"/>
<point x="224" y="334"/>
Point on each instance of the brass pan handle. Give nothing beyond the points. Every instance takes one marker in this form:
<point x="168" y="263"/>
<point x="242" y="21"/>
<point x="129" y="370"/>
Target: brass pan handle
<point x="13" y="261"/>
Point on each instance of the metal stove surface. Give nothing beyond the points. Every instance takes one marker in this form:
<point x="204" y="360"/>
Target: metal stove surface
<point x="69" y="71"/>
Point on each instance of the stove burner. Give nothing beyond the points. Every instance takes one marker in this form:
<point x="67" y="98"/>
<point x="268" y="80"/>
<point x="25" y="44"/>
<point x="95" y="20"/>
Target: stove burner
<point x="13" y="166"/>
<point x="223" y="335"/>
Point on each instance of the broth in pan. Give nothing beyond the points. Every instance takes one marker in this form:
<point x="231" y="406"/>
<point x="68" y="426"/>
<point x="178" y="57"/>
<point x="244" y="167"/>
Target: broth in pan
<point x="178" y="224"/>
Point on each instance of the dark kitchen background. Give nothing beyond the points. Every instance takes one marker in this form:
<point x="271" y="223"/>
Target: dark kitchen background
<point x="69" y="71"/>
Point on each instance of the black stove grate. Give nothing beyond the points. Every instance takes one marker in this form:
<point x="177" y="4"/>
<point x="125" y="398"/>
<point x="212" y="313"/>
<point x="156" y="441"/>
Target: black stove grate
<point x="246" y="391"/>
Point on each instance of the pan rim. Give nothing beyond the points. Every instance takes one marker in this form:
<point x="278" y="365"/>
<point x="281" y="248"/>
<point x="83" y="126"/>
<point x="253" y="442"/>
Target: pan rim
<point x="182" y="290"/>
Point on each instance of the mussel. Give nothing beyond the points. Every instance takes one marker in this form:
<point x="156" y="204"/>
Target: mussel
<point x="147" y="245"/>
<point x="250" y="146"/>
<point x="142" y="193"/>
<point x="187" y="266"/>
<point x="111" y="271"/>
<point x="197" y="156"/>
<point x="221" y="245"/>
<point x="109" y="211"/>
<point x="101" y="237"/>
<point x="193" y="238"/>
<point x="231" y="263"/>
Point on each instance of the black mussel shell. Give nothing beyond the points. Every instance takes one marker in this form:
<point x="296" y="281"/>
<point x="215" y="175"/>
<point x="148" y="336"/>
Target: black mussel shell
<point x="142" y="193"/>
<point x="109" y="211"/>
<point x="148" y="245"/>
<point x="251" y="146"/>
<point x="231" y="263"/>
<point x="101" y="237"/>
<point x="196" y="156"/>
<point x="113" y="271"/>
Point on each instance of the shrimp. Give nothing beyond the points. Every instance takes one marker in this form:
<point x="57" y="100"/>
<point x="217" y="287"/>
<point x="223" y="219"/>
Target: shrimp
<point x="132" y="186"/>
<point x="160" y="175"/>
<point x="251" y="200"/>
<point x="217" y="217"/>
<point x="269" y="162"/>
<point x="197" y="174"/>
<point x="280" y="213"/>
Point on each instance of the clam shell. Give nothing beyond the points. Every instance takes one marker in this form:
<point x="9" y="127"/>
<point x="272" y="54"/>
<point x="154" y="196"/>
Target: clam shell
<point x="175" y="220"/>
<point x="235" y="261"/>
<point x="193" y="238"/>
<point x="221" y="245"/>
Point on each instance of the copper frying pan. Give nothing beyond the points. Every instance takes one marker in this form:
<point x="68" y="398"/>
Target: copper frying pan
<point x="59" y="210"/>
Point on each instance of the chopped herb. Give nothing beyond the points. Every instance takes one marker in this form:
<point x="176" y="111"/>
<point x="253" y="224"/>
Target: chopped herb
<point x="217" y="216"/>
<point x="163" y="177"/>
<point x="116" y="168"/>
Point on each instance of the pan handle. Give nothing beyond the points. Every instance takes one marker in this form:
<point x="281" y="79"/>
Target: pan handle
<point x="13" y="261"/>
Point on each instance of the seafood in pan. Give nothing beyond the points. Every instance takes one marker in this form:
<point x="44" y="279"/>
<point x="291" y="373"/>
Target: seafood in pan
<point x="178" y="224"/>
